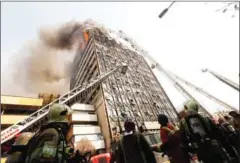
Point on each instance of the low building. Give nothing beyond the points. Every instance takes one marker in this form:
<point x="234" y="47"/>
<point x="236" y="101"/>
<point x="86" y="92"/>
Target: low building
<point x="15" y="109"/>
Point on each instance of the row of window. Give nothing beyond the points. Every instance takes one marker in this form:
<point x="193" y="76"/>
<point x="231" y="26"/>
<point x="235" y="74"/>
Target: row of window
<point x="132" y="91"/>
<point x="109" y="63"/>
<point x="137" y="103"/>
<point x="85" y="63"/>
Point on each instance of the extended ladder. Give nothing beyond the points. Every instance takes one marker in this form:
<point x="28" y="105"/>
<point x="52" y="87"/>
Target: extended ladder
<point x="178" y="86"/>
<point x="203" y="92"/>
<point x="42" y="113"/>
<point x="223" y="79"/>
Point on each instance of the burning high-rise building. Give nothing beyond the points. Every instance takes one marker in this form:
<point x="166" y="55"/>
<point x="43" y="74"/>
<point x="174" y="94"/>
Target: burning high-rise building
<point x="137" y="95"/>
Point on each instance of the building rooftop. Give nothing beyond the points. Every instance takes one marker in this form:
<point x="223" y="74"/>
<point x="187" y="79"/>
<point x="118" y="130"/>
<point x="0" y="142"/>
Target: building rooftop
<point x="24" y="101"/>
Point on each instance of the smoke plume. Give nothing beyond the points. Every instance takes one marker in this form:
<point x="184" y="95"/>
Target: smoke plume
<point x="61" y="38"/>
<point x="44" y="65"/>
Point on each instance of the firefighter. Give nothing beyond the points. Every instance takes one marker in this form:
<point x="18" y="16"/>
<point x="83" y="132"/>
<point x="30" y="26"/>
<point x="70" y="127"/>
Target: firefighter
<point x="133" y="147"/>
<point x="203" y="135"/>
<point x="49" y="143"/>
<point x="171" y="142"/>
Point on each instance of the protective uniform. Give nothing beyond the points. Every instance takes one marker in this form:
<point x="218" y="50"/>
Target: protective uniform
<point x="50" y="144"/>
<point x="202" y="135"/>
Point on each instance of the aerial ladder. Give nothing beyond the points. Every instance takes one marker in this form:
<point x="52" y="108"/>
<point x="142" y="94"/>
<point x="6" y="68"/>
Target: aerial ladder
<point x="177" y="85"/>
<point x="36" y="119"/>
<point x="155" y="64"/>
<point x="223" y="79"/>
<point x="205" y="93"/>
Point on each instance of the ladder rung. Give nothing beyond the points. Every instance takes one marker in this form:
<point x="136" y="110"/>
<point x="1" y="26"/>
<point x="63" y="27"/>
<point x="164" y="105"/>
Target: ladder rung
<point x="63" y="99"/>
<point x="71" y="94"/>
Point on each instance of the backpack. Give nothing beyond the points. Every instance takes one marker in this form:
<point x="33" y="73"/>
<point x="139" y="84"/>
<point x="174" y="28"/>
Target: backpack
<point x="199" y="134"/>
<point x="196" y="127"/>
<point x="139" y="146"/>
<point x="48" y="145"/>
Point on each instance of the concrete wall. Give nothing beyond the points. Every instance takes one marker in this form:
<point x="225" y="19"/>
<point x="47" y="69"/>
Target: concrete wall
<point x="99" y="105"/>
<point x="11" y="119"/>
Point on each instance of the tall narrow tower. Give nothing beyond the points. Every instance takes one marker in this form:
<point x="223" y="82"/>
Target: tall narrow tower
<point x="137" y="95"/>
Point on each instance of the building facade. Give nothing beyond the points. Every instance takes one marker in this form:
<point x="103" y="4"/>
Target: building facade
<point x="137" y="95"/>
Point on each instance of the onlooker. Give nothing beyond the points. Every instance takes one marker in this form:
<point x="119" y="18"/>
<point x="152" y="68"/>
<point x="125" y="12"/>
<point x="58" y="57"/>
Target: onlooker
<point x="133" y="147"/>
<point x="231" y="139"/>
<point x="236" y="120"/>
<point x="227" y="119"/>
<point x="171" y="142"/>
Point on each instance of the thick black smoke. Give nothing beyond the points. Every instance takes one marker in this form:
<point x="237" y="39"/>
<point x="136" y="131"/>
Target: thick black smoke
<point x="60" y="38"/>
<point x="44" y="65"/>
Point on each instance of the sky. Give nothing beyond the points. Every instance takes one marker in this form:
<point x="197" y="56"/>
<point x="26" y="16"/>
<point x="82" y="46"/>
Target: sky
<point x="191" y="36"/>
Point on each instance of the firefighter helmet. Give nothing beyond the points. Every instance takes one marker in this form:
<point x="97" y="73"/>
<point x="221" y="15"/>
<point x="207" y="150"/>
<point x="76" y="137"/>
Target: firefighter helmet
<point x="59" y="113"/>
<point x="191" y="106"/>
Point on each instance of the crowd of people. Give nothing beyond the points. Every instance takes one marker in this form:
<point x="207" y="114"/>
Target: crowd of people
<point x="195" y="136"/>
